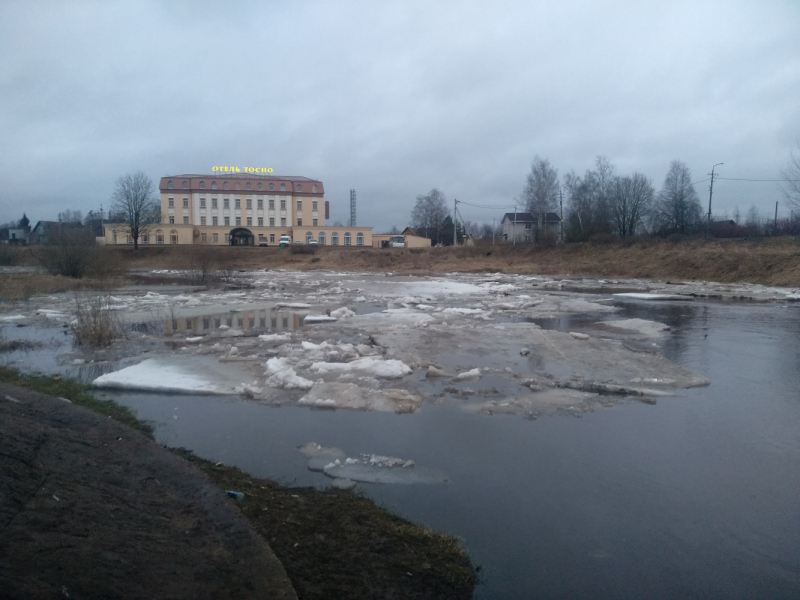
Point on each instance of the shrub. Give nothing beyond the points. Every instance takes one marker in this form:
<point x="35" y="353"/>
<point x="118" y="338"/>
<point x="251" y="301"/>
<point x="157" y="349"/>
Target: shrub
<point x="95" y="323"/>
<point x="303" y="249"/>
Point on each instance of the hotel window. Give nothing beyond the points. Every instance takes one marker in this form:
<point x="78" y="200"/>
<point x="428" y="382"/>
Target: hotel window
<point x="321" y="238"/>
<point x="227" y="238"/>
<point x="249" y="186"/>
<point x="238" y="221"/>
<point x="299" y="188"/>
<point x="260" y="221"/>
<point x="271" y="237"/>
<point x="185" y="203"/>
<point x="272" y="221"/>
<point x="202" y="185"/>
<point x="202" y="220"/>
<point x="315" y="189"/>
<point x="347" y="239"/>
<point x="185" y="220"/>
<point x="202" y="202"/>
<point x="203" y="238"/>
<point x="299" y="221"/>
<point x="172" y="219"/>
<point x="213" y="185"/>
<point x="169" y="185"/>
<point x="314" y="222"/>
<point x="236" y="186"/>
<point x="145" y="238"/>
<point x="260" y="203"/>
<point x="171" y="203"/>
<point x="360" y="239"/>
<point x="213" y="203"/>
<point x="249" y="203"/>
<point x="215" y="238"/>
<point x="283" y="204"/>
<point x="173" y="237"/>
<point x="334" y="239"/>
<point x="249" y="221"/>
<point x="237" y="203"/>
<point x="227" y="221"/>
<point x="185" y="185"/>
<point x="226" y="203"/>
<point x="283" y="221"/>
<point x="283" y="187"/>
<point x="214" y="221"/>
<point x="271" y="187"/>
<point x="260" y="187"/>
<point x="299" y="205"/>
<point x="313" y="205"/>
<point x="272" y="204"/>
<point x="159" y="236"/>
<point x="225" y="185"/>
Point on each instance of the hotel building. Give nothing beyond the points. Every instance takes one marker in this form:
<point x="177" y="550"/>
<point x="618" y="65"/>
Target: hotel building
<point x="242" y="209"/>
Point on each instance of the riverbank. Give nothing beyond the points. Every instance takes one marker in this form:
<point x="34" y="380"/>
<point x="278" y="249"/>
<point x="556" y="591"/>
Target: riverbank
<point x="766" y="261"/>
<point x="80" y="488"/>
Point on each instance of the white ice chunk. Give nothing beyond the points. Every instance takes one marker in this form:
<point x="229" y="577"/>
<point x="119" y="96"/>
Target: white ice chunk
<point x="275" y="337"/>
<point x="471" y="374"/>
<point x="342" y="313"/>
<point x="645" y="296"/>
<point x="286" y="378"/>
<point x="294" y="305"/>
<point x="376" y="367"/>
<point x="318" y="319"/>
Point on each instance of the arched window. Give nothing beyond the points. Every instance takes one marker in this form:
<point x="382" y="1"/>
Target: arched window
<point x="271" y="187"/>
<point x="213" y="185"/>
<point x="249" y="186"/>
<point x="299" y="188"/>
<point x="202" y="185"/>
<point x="321" y="238"/>
<point x="236" y="186"/>
<point x="159" y="236"/>
<point x="347" y="239"/>
<point x="315" y="189"/>
<point x="260" y="186"/>
<point x="334" y="239"/>
<point x="173" y="237"/>
<point x="360" y="239"/>
<point x="185" y="185"/>
<point x="309" y="236"/>
<point x="283" y="187"/>
<point x="225" y="185"/>
<point x="169" y="184"/>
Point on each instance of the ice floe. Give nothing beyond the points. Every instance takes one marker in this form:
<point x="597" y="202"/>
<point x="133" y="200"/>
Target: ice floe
<point x="367" y="365"/>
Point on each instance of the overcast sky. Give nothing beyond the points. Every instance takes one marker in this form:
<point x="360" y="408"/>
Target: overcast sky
<point x="394" y="98"/>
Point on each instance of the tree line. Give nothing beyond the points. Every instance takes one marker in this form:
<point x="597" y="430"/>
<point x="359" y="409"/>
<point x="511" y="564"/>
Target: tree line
<point x="600" y="202"/>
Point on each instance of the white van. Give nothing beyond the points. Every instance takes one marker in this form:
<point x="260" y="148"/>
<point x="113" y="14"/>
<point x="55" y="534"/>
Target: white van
<point x="284" y="241"/>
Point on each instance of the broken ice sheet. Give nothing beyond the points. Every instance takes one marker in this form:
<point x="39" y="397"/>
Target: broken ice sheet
<point x="354" y="397"/>
<point x="367" y="473"/>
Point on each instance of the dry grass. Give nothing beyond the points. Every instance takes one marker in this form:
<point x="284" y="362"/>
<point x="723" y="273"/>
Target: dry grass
<point x="21" y="286"/>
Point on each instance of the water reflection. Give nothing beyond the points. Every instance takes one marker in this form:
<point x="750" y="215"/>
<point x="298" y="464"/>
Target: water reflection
<point x="271" y="318"/>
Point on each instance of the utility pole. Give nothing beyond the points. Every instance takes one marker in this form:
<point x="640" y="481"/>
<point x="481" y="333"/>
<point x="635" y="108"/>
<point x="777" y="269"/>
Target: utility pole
<point x="710" y="193"/>
<point x="776" y="216"/>
<point x="494" y="227"/>
<point x="561" y="206"/>
<point x="455" y="209"/>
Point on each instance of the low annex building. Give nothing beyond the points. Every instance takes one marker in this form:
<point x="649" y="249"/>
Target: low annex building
<point x="242" y="209"/>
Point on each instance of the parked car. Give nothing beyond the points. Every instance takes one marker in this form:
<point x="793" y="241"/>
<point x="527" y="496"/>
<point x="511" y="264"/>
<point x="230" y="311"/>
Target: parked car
<point x="284" y="241"/>
<point x="312" y="242"/>
<point x="397" y="241"/>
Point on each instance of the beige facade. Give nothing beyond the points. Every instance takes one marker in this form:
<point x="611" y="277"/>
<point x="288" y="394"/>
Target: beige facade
<point x="241" y="209"/>
<point x="410" y="239"/>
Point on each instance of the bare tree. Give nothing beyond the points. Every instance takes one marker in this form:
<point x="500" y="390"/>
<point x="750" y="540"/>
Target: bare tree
<point x="541" y="189"/>
<point x="394" y="230"/>
<point x="429" y="214"/>
<point x="678" y="207"/>
<point x="135" y="200"/>
<point x="791" y="179"/>
<point x="70" y="216"/>
<point x="588" y="210"/>
<point x="630" y="201"/>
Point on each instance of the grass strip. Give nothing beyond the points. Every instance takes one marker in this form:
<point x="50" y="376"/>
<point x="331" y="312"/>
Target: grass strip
<point x="339" y="544"/>
<point x="77" y="393"/>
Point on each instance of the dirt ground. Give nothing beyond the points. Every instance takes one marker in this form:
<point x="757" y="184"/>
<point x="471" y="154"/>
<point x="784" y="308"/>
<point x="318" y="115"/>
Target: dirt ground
<point x="93" y="509"/>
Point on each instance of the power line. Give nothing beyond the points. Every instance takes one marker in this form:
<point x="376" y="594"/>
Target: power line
<point x="742" y="179"/>
<point x="484" y="206"/>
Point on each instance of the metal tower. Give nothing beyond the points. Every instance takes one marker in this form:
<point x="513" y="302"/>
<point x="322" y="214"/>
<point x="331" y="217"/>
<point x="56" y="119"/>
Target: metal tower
<point x="352" y="208"/>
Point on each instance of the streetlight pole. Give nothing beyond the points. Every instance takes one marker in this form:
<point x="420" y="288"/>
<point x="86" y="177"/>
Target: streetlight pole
<point x="710" y="193"/>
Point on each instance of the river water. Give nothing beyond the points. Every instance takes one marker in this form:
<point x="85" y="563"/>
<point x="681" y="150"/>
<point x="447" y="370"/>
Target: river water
<point x="696" y="496"/>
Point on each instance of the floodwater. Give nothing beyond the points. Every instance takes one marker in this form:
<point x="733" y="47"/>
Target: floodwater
<point x="694" y="496"/>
